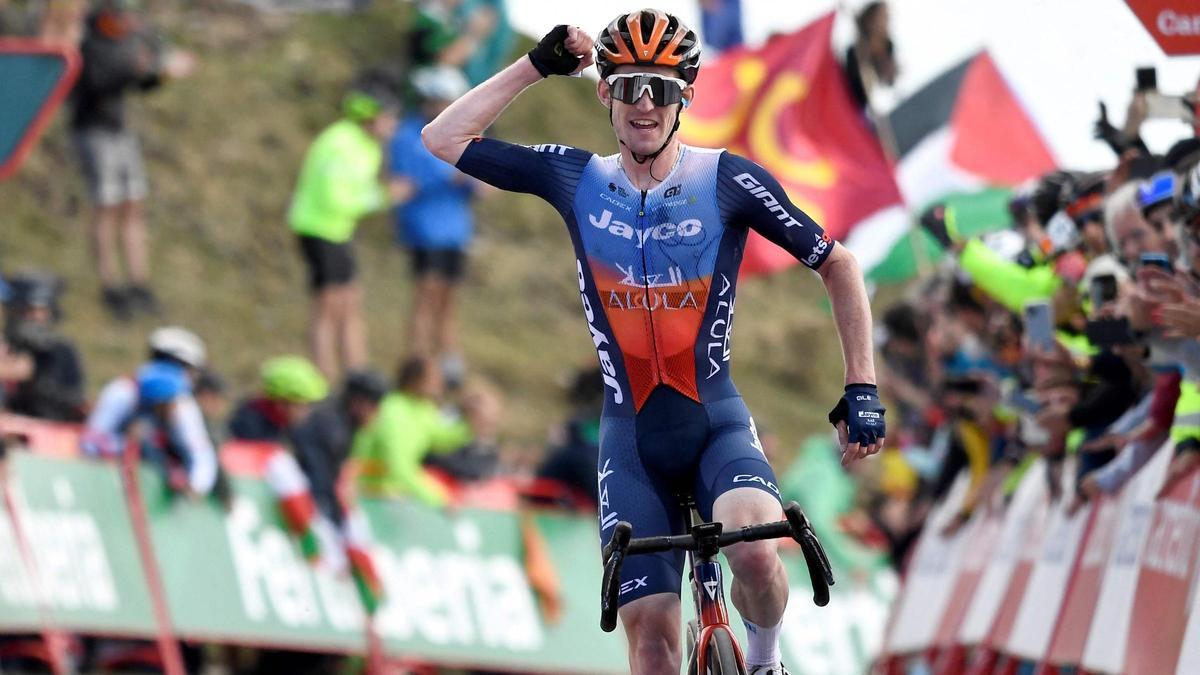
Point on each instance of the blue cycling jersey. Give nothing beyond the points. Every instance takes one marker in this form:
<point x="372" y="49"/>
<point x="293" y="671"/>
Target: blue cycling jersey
<point x="657" y="268"/>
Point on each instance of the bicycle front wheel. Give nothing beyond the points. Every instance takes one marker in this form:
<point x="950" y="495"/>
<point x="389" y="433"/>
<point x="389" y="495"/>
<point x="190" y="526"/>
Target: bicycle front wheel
<point x="722" y="657"/>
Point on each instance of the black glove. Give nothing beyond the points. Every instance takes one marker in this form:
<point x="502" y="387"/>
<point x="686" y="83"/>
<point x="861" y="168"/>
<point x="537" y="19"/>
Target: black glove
<point x="551" y="56"/>
<point x="862" y="411"/>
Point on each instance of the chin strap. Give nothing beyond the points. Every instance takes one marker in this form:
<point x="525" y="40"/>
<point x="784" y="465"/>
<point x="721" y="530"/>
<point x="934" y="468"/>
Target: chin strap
<point x="656" y="153"/>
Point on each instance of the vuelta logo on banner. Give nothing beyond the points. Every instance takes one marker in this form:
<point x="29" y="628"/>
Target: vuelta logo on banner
<point x="1174" y="24"/>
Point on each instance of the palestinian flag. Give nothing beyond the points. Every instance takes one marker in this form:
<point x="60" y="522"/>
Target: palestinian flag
<point x="964" y="139"/>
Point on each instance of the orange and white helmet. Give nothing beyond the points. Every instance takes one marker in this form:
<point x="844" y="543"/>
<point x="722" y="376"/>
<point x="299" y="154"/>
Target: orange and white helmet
<point x="649" y="37"/>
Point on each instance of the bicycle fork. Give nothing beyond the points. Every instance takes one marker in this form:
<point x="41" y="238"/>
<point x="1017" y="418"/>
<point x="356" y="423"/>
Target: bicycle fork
<point x="708" y="593"/>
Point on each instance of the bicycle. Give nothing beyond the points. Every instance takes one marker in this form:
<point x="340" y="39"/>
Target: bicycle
<point x="712" y="649"/>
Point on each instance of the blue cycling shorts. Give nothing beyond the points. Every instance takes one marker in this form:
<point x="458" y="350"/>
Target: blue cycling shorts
<point x="673" y="446"/>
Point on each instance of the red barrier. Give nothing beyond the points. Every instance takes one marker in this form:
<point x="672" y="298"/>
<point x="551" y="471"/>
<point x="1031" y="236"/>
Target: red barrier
<point x="1111" y="585"/>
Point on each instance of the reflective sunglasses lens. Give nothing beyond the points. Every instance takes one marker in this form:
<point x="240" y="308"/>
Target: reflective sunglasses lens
<point x="629" y="89"/>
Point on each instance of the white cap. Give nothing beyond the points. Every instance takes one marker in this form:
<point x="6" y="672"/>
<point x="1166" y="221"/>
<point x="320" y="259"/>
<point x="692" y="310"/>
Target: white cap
<point x="180" y="344"/>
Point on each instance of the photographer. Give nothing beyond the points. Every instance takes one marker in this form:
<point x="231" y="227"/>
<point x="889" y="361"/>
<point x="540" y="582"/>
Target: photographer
<point x="52" y="385"/>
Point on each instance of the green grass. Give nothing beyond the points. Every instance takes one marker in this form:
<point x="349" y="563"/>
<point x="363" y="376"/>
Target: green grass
<point x="223" y="149"/>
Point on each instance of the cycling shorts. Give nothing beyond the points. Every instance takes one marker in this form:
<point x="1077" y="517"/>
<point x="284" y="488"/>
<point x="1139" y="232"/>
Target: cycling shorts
<point x="673" y="446"/>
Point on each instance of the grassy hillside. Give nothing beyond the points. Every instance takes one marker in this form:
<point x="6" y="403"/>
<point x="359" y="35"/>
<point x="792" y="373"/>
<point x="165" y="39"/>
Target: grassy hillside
<point x="223" y="150"/>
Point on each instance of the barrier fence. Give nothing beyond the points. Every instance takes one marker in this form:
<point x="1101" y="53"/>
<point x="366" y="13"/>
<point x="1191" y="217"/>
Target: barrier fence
<point x="1034" y="588"/>
<point x="456" y="590"/>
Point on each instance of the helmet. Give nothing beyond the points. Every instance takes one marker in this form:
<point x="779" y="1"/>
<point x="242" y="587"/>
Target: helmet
<point x="160" y="383"/>
<point x="443" y="83"/>
<point x="179" y="344"/>
<point x="649" y="37"/>
<point x="293" y="379"/>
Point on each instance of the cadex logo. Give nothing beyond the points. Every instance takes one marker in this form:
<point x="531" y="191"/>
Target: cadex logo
<point x="664" y="232"/>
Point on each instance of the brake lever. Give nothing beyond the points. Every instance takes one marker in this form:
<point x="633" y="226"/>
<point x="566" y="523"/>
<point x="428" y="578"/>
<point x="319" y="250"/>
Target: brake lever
<point x="820" y="572"/>
<point x="610" y="586"/>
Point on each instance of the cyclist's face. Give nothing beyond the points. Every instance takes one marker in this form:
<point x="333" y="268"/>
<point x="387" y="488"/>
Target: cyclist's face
<point x="642" y="126"/>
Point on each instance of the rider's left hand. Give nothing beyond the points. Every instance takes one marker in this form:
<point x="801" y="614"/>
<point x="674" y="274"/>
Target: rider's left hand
<point x="858" y="417"/>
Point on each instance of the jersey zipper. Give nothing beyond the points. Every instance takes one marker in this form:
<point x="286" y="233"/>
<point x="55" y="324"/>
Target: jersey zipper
<point x="646" y="291"/>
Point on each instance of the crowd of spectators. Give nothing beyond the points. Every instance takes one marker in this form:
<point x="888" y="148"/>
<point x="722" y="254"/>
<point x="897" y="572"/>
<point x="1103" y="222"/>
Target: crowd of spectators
<point x="1071" y="334"/>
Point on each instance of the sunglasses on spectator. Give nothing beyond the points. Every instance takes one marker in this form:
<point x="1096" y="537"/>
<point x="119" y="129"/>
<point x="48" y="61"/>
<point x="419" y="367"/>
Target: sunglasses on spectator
<point x="629" y="88"/>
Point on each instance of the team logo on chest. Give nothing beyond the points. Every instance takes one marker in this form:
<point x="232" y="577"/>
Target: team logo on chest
<point x="661" y="232"/>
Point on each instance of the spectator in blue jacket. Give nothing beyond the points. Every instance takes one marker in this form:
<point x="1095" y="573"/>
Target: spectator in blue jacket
<point x="433" y="220"/>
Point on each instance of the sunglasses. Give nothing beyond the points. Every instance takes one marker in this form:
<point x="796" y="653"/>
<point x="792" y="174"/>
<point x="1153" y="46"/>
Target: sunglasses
<point x="629" y="87"/>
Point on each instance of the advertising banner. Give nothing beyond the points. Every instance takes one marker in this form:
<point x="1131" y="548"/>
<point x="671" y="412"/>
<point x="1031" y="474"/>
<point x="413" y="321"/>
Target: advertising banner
<point x="1104" y="650"/>
<point x="76" y="524"/>
<point x="928" y="578"/>
<point x="1162" y="600"/>
<point x="456" y="591"/>
<point x="1011" y="560"/>
<point x="1043" y="598"/>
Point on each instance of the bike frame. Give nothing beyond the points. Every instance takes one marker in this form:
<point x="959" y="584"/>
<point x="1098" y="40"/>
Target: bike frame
<point x="708" y="594"/>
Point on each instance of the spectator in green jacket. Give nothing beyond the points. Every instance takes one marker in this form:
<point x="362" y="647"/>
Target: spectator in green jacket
<point x="340" y="183"/>
<point x="385" y="459"/>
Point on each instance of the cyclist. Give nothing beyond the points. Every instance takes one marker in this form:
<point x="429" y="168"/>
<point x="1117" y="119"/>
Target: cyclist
<point x="659" y="230"/>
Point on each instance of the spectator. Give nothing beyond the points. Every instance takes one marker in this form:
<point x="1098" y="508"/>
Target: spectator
<point x="433" y="221"/>
<point x="387" y="453"/>
<point x="290" y="387"/>
<point x="340" y="183"/>
<point x="479" y="459"/>
<point x="871" y="60"/>
<point x="575" y="447"/>
<point x="54" y="387"/>
<point x="119" y="56"/>
<point x="322" y="439"/>
<point x="450" y="32"/>
<point x="158" y="405"/>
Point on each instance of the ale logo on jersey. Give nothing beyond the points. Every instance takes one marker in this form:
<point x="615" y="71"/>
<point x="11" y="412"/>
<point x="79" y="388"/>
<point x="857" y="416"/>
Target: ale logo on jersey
<point x="663" y="232"/>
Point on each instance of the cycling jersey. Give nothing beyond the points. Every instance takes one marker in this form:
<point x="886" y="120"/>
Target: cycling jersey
<point x="657" y="272"/>
<point x="657" y="269"/>
<point x="184" y="437"/>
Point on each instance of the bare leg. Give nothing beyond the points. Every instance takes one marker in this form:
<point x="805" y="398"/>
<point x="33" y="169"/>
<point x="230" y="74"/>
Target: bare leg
<point x="322" y="331"/>
<point x="421" y="327"/>
<point x="653" y="626"/>
<point x="760" y="590"/>
<point x="101" y="232"/>
<point x="134" y="242"/>
<point x="352" y="327"/>
<point x="447" y="321"/>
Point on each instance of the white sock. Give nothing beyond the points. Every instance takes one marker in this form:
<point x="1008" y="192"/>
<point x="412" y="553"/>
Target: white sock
<point x="762" y="644"/>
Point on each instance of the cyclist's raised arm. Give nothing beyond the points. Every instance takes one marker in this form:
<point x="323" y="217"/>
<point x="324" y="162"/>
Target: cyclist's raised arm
<point x="448" y="135"/>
